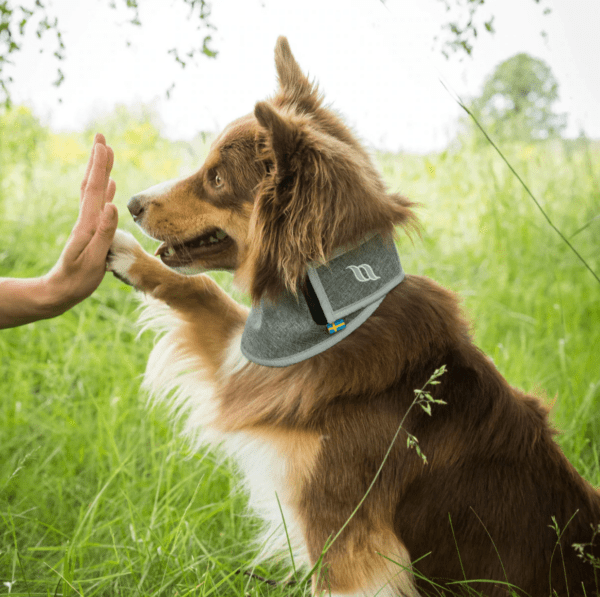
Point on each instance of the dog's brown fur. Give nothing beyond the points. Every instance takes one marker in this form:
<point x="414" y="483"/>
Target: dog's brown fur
<point x="289" y="184"/>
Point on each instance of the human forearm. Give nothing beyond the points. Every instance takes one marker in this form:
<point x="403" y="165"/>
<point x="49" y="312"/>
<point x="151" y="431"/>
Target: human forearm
<point x="23" y="300"/>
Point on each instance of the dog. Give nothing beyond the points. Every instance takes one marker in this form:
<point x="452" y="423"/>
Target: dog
<point x="326" y="438"/>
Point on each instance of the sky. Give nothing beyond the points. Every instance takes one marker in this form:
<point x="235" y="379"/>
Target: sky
<point x="376" y="63"/>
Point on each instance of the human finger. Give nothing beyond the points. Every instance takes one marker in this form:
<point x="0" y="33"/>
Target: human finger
<point x="110" y="190"/>
<point x="94" y="241"/>
<point x="109" y="164"/>
<point x="103" y="237"/>
<point x="93" y="195"/>
<point x="98" y="138"/>
<point x="98" y="179"/>
<point x="92" y="201"/>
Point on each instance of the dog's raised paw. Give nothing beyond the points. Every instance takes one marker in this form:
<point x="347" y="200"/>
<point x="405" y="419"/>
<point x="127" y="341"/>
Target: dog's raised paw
<point x="122" y="255"/>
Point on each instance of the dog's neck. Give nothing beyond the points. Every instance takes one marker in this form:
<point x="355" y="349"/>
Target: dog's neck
<point x="338" y="297"/>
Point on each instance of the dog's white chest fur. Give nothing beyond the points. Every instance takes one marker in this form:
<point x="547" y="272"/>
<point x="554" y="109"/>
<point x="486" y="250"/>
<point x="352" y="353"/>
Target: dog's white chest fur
<point x="264" y="470"/>
<point x="175" y="375"/>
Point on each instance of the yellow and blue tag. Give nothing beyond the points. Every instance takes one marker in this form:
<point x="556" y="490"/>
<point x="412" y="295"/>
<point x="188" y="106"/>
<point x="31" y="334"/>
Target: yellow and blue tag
<point x="336" y="326"/>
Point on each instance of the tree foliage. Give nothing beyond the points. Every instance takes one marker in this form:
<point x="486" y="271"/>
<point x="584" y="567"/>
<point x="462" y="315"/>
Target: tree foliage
<point x="467" y="20"/>
<point x="517" y="100"/>
<point x="16" y="19"/>
<point x="13" y="22"/>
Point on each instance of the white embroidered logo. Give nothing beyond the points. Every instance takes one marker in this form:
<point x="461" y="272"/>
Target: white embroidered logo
<point x="364" y="272"/>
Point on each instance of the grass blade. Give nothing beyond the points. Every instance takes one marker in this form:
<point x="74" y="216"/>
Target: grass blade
<point x="527" y="190"/>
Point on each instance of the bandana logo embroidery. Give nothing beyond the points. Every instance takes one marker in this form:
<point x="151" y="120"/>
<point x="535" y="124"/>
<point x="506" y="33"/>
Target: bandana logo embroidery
<point x="364" y="272"/>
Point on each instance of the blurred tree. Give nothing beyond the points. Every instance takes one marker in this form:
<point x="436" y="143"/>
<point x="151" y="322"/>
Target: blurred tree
<point x="16" y="17"/>
<point x="517" y="101"/>
<point x="467" y="19"/>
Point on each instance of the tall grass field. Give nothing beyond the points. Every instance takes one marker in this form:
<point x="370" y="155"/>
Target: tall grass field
<point x="98" y="494"/>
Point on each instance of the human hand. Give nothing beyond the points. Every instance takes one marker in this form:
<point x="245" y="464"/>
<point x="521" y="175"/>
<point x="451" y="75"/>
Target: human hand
<point x="82" y="264"/>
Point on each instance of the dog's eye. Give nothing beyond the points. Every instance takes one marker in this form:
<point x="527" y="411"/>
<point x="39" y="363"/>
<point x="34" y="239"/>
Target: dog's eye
<point x="218" y="181"/>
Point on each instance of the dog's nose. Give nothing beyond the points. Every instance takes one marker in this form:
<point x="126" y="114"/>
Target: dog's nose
<point x="136" y="206"/>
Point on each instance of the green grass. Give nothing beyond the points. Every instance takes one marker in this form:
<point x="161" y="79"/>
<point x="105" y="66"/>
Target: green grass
<point x="99" y="496"/>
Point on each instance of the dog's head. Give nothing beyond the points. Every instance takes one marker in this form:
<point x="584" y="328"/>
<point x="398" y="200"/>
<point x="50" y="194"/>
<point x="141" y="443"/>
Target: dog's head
<point x="280" y="188"/>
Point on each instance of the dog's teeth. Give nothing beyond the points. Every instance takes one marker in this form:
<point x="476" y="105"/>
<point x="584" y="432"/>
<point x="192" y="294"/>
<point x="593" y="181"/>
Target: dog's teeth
<point x="213" y="239"/>
<point x="221" y="234"/>
<point x="169" y="252"/>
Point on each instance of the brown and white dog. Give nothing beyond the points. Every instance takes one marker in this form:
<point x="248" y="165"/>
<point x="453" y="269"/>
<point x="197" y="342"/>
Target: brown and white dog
<point x="283" y="187"/>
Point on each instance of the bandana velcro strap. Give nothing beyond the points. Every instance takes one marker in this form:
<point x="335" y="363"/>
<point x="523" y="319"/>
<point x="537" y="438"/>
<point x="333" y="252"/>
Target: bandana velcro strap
<point x="355" y="278"/>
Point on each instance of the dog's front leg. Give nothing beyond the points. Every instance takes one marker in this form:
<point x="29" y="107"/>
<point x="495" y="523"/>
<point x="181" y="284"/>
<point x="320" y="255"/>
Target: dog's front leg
<point x="212" y="315"/>
<point x="366" y="559"/>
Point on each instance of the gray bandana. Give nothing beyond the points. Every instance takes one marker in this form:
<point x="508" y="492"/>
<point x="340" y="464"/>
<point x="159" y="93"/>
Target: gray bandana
<point x="339" y="296"/>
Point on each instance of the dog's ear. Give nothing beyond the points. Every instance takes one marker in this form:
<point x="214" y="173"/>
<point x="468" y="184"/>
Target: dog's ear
<point x="318" y="193"/>
<point x="280" y="135"/>
<point x="294" y="87"/>
<point x="283" y="236"/>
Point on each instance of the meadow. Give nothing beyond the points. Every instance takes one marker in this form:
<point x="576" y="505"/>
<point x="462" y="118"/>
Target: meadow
<point x="98" y="494"/>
